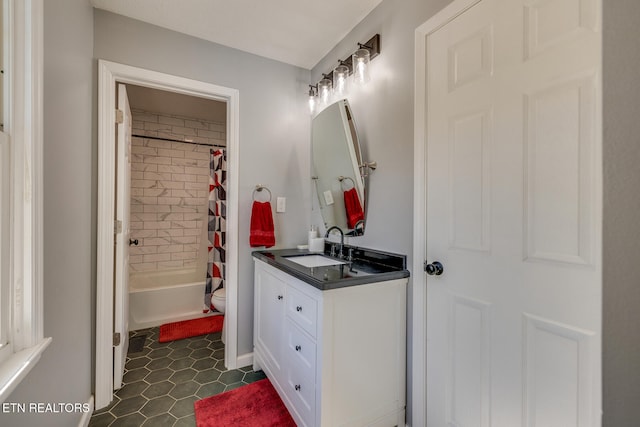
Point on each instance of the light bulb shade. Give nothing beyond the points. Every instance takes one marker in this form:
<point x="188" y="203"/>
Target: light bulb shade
<point x="361" y="59"/>
<point x="340" y="74"/>
<point x="312" y="103"/>
<point x="324" y="90"/>
<point x="312" y="98"/>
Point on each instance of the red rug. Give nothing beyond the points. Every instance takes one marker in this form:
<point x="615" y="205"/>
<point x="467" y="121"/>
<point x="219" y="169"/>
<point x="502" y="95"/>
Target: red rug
<point x="253" y="405"/>
<point x="190" y="328"/>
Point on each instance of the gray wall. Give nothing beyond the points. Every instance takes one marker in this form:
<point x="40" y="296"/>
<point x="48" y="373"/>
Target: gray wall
<point x="274" y="125"/>
<point x="64" y="373"/>
<point x="621" y="239"/>
<point x="383" y="112"/>
<point x="384" y="117"/>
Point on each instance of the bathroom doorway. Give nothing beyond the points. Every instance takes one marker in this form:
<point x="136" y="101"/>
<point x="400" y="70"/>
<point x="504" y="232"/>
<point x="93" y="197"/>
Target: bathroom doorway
<point x="184" y="134"/>
<point x="174" y="140"/>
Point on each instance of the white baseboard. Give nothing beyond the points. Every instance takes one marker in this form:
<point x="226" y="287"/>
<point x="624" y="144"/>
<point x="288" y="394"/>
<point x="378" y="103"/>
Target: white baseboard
<point x="244" y="360"/>
<point x="86" y="417"/>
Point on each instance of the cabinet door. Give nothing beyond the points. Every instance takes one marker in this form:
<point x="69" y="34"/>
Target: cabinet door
<point x="270" y="306"/>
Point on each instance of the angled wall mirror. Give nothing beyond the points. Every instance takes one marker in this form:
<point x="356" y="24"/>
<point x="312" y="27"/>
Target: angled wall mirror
<point x="338" y="188"/>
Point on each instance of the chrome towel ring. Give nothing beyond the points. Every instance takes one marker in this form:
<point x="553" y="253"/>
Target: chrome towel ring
<point x="259" y="189"/>
<point x="343" y="178"/>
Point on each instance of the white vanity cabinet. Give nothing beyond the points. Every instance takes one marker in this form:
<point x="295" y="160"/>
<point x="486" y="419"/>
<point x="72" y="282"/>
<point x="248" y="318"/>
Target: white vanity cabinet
<point x="336" y="357"/>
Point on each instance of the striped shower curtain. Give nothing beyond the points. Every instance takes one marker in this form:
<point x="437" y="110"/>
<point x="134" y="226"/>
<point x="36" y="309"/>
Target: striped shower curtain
<point x="217" y="225"/>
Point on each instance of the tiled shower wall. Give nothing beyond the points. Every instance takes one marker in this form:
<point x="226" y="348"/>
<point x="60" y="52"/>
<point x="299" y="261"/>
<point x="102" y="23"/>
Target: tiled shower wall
<point x="169" y="189"/>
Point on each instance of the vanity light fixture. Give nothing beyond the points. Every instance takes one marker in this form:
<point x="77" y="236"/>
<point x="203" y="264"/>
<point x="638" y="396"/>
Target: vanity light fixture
<point x="356" y="64"/>
<point x="313" y="92"/>
<point x="361" y="59"/>
<point x="340" y="75"/>
<point x="324" y="89"/>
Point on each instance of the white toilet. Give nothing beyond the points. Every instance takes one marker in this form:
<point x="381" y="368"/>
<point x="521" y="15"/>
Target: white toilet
<point x="218" y="300"/>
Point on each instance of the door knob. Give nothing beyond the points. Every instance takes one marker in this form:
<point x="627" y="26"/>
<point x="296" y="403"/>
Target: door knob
<point x="433" y="269"/>
<point x="133" y="242"/>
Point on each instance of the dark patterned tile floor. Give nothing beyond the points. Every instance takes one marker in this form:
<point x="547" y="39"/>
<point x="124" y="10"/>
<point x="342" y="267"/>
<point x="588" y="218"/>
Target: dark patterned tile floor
<point x="163" y="380"/>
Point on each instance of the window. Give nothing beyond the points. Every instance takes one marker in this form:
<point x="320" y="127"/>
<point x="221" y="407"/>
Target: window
<point x="21" y="336"/>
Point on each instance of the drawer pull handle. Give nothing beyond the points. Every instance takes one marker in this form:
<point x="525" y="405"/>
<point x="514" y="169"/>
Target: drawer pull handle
<point x="299" y="308"/>
<point x="297" y="387"/>
<point x="298" y="348"/>
<point x="279" y="297"/>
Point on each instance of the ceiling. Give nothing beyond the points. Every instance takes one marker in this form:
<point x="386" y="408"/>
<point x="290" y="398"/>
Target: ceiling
<point x="297" y="32"/>
<point x="176" y="104"/>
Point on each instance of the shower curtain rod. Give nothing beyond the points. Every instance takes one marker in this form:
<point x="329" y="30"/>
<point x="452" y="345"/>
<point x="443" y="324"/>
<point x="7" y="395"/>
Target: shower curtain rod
<point x="177" y="140"/>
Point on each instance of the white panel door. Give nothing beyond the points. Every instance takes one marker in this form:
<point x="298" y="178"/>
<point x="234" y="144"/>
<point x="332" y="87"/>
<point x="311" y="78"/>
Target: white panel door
<point x="513" y="214"/>
<point x="123" y="203"/>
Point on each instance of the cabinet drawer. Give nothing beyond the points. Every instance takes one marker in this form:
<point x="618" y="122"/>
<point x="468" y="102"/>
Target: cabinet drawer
<point x="299" y="346"/>
<point x="301" y="389"/>
<point x="303" y="310"/>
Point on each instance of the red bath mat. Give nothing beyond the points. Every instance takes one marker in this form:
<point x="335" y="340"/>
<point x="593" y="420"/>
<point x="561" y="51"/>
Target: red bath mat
<point x="190" y="328"/>
<point x="253" y="405"/>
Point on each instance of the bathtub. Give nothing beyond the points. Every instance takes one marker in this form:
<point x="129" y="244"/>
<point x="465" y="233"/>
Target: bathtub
<point x="158" y="297"/>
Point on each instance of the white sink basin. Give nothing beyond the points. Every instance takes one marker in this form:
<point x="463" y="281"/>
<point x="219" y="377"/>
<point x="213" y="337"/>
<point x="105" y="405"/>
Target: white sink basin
<point x="314" y="260"/>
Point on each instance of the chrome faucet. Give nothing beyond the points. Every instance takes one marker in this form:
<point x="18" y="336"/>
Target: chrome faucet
<point x="335" y="227"/>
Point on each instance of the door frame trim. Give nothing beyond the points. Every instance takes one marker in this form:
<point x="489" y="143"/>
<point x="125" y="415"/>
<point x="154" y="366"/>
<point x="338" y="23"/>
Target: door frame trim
<point x="110" y="73"/>
<point x="419" y="280"/>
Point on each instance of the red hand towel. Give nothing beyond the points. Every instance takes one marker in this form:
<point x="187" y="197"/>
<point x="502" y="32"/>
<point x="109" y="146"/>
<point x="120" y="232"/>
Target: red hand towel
<point x="353" y="207"/>
<point x="261" y="233"/>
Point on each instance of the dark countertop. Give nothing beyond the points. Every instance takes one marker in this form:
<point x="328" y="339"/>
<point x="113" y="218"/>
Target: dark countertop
<point x="368" y="266"/>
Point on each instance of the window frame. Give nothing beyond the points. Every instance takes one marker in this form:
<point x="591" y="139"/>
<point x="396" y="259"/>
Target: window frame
<point x="21" y="185"/>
